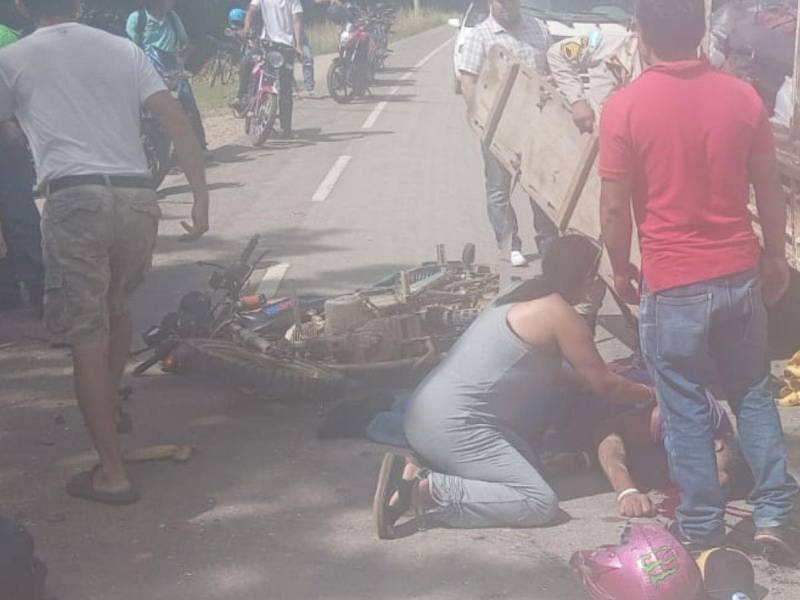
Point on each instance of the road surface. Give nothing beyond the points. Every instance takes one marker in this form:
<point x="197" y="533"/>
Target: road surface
<point x="265" y="510"/>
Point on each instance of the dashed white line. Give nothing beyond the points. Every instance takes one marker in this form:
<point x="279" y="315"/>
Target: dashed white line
<point x="373" y="116"/>
<point x="376" y="112"/>
<point x="430" y="56"/>
<point x="271" y="280"/>
<point x="326" y="187"/>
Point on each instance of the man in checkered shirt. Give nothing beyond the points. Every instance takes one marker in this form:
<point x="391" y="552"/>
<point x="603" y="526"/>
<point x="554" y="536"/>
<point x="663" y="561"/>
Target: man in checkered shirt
<point x="527" y="38"/>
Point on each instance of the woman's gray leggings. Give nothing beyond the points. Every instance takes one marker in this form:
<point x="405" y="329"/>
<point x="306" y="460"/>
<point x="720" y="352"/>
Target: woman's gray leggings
<point x="482" y="478"/>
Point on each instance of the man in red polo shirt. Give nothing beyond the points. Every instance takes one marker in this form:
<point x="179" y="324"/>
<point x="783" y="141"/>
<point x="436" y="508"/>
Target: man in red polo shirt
<point x="682" y="144"/>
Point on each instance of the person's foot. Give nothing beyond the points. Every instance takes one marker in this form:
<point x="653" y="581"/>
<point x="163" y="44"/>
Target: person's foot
<point x="288" y="135"/>
<point x="518" y="259"/>
<point x="238" y="107"/>
<point x="694" y="547"/>
<point x="307" y="94"/>
<point x="781" y="544"/>
<point x="421" y="493"/>
<point x="97" y="486"/>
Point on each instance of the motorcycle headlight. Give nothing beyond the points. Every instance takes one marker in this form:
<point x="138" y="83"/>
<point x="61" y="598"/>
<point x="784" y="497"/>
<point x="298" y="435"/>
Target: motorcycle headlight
<point x="275" y="59"/>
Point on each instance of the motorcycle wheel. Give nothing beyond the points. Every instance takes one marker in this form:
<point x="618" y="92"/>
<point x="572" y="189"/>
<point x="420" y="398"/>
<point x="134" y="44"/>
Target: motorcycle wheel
<point x="340" y="89"/>
<point x="284" y="378"/>
<point x="263" y="120"/>
<point x="158" y="150"/>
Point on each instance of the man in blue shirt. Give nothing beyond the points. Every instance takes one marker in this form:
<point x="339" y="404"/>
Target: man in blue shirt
<point x="158" y="30"/>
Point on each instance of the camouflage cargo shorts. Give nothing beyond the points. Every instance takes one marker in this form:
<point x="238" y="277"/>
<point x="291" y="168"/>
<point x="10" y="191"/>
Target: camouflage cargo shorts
<point x="98" y="245"/>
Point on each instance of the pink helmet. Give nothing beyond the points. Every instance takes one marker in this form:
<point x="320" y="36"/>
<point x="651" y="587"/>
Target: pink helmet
<point x="649" y="564"/>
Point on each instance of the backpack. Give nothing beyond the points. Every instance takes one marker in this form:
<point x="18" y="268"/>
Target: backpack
<point x="22" y="575"/>
<point x="141" y="23"/>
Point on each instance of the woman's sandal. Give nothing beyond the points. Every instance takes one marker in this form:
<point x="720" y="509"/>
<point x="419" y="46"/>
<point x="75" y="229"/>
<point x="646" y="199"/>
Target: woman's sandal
<point x="391" y="482"/>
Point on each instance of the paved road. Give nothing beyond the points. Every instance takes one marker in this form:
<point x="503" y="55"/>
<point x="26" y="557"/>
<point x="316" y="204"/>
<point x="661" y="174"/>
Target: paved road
<point x="264" y="509"/>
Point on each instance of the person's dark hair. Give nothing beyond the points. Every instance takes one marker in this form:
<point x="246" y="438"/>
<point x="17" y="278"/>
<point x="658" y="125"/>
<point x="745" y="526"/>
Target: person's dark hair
<point x="672" y="28"/>
<point x="569" y="263"/>
<point x="49" y="8"/>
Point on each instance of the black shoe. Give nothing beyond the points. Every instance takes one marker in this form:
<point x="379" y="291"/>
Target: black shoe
<point x="288" y="135"/>
<point x="781" y="544"/>
<point x="695" y="548"/>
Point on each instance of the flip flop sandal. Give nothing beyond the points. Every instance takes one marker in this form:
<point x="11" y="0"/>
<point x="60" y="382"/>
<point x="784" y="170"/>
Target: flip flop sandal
<point x="82" y="486"/>
<point x="390" y="481"/>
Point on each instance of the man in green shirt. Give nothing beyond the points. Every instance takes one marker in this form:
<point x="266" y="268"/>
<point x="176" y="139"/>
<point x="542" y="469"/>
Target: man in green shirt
<point x="158" y="30"/>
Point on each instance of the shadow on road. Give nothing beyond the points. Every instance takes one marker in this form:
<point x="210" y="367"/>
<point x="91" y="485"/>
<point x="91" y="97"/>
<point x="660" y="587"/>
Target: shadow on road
<point x="186" y="188"/>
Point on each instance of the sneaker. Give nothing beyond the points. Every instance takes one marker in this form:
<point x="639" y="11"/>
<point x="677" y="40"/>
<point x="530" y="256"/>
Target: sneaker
<point x="781" y="544"/>
<point x="518" y="259"/>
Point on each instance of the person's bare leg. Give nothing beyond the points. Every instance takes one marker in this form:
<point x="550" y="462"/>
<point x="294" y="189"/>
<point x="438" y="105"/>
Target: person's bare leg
<point x="120" y="349"/>
<point x="120" y="346"/>
<point x="94" y="387"/>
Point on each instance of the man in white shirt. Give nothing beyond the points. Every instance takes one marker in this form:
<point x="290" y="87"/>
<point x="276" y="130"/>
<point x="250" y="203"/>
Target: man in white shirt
<point x="77" y="92"/>
<point x="528" y="39"/>
<point x="283" y="29"/>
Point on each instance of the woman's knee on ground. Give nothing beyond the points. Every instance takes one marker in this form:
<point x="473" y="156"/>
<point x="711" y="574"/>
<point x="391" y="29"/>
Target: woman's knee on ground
<point x="541" y="508"/>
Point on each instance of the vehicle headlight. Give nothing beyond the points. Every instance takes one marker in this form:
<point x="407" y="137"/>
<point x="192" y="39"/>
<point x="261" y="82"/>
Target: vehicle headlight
<point x="345" y="37"/>
<point x="275" y="59"/>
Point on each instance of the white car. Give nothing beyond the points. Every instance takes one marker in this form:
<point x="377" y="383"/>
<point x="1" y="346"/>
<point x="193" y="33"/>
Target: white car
<point x="476" y="13"/>
<point x="564" y="18"/>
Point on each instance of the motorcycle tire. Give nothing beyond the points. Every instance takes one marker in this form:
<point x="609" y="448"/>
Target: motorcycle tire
<point x="158" y="150"/>
<point x="263" y="121"/>
<point x="283" y="378"/>
<point x="340" y="89"/>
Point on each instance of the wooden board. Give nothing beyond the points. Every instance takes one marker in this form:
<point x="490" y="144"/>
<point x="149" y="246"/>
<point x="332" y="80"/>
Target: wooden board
<point x="528" y="126"/>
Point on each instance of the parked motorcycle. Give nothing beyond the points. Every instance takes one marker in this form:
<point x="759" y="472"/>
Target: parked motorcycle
<point x="350" y="73"/>
<point x="262" y="95"/>
<point x="156" y="141"/>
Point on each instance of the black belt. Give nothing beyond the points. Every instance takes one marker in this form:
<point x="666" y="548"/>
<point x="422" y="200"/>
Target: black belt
<point x="70" y="181"/>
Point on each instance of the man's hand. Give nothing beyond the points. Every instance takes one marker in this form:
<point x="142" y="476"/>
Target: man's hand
<point x="243" y="33"/>
<point x="583" y="116"/>
<point x="626" y="284"/>
<point x="775" y="278"/>
<point x="636" y="506"/>
<point x="199" y="223"/>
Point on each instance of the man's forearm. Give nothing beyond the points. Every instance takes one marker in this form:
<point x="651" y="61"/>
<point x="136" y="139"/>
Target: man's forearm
<point x="468" y="83"/>
<point x="298" y="31"/>
<point x="616" y="223"/>
<point x="248" y="20"/>
<point x="613" y="460"/>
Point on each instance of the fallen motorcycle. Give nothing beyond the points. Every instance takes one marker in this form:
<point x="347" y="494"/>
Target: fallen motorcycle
<point x="211" y="334"/>
<point x="293" y="347"/>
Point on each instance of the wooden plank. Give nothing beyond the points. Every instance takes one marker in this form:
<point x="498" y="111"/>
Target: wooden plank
<point x="489" y="88"/>
<point x="587" y="162"/>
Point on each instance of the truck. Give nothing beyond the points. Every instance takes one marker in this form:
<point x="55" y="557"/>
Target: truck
<point x="525" y="121"/>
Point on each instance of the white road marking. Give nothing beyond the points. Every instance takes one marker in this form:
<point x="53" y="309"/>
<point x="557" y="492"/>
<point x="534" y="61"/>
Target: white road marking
<point x="376" y="112"/>
<point x="326" y="187"/>
<point x="421" y="63"/>
<point x="373" y="116"/>
<point x="271" y="280"/>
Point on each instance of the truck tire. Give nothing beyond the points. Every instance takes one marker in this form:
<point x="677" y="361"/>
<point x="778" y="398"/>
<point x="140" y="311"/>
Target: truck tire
<point x="283" y="378"/>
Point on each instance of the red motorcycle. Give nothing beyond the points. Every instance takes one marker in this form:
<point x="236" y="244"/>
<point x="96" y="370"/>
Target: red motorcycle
<point x="263" y="91"/>
<point x="350" y="73"/>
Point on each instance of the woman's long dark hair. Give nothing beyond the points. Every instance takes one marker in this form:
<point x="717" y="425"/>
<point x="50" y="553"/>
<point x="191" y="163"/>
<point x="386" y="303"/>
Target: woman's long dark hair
<point x="569" y="263"/>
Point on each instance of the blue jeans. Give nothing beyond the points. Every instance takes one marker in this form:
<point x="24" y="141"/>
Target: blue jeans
<point x="697" y="336"/>
<point x="502" y="215"/>
<point x="20" y="222"/>
<point x="308" y="65"/>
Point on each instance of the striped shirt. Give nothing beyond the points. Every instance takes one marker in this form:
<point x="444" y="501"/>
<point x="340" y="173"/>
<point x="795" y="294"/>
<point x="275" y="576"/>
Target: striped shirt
<point x="529" y="41"/>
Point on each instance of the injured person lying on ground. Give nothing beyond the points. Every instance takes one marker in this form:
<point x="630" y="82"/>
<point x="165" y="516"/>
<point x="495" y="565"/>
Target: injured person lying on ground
<point x="628" y="444"/>
<point x="475" y="421"/>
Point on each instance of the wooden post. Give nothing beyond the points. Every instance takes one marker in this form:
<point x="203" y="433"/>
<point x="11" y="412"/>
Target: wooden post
<point x="709" y="22"/>
<point x="793" y="134"/>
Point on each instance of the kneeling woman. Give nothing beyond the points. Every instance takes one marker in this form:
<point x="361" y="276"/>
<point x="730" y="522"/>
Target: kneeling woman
<point x="475" y="419"/>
